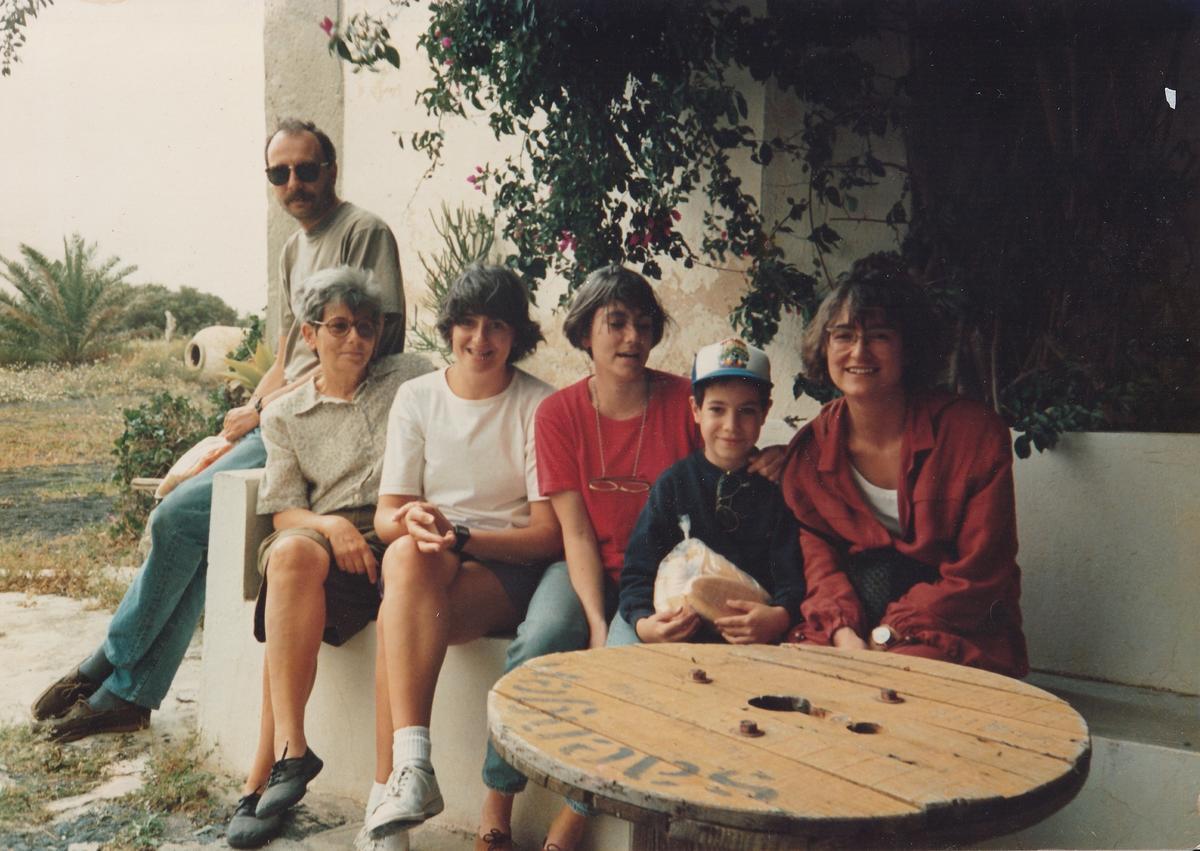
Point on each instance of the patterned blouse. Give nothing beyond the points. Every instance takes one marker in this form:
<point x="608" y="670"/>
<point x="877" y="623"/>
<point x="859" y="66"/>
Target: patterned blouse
<point x="325" y="454"/>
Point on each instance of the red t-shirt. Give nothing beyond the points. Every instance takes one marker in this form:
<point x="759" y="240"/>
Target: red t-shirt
<point x="568" y="454"/>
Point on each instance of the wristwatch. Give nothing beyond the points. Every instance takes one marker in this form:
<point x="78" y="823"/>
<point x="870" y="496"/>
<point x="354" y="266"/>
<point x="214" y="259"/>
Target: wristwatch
<point x="884" y="636"/>
<point x="257" y="402"/>
<point x="462" y="534"/>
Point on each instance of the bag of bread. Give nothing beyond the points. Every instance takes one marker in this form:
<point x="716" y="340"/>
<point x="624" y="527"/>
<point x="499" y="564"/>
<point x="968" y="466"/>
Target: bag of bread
<point x="694" y="573"/>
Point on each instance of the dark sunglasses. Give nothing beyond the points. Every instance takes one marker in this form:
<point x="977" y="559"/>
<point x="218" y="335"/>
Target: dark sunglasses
<point x="277" y="175"/>
<point x="341" y="327"/>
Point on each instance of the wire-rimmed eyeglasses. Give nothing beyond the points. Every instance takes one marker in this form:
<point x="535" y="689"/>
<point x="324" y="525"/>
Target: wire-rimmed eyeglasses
<point x="624" y="484"/>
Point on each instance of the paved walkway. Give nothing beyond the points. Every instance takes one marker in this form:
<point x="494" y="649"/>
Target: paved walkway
<point x="42" y="637"/>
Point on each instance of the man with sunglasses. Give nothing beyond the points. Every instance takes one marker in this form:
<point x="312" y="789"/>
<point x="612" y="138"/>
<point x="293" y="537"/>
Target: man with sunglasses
<point x="301" y="166"/>
<point x="737" y="514"/>
<point x="115" y="689"/>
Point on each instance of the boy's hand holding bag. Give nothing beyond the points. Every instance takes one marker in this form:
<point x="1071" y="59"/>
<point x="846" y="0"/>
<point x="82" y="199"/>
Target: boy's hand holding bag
<point x="695" y="574"/>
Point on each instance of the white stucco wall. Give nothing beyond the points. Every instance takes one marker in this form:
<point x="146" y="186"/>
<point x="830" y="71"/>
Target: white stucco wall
<point x="387" y="179"/>
<point x="1109" y="528"/>
<point x="138" y="123"/>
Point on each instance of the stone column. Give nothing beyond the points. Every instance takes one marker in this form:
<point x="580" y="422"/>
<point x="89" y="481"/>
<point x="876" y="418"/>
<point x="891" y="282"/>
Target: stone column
<point x="302" y="80"/>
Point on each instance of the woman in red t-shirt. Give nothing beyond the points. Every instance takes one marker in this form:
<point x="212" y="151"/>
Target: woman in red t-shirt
<point x="904" y="495"/>
<point x="601" y="443"/>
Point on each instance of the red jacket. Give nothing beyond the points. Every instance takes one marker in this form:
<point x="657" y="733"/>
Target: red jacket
<point x="957" y="513"/>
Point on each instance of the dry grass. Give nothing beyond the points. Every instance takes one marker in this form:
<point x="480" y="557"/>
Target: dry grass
<point x="74" y="565"/>
<point x="40" y="771"/>
<point x="54" y="416"/>
<point x="144" y="367"/>
<point x="53" y="433"/>
<point x="176" y="783"/>
<point x="51" y="415"/>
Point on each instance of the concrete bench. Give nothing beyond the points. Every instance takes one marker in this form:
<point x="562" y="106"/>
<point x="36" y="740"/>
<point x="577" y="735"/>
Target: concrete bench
<point x="1109" y="527"/>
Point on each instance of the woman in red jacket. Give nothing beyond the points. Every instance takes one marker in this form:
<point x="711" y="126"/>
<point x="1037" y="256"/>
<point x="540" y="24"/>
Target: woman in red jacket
<point x="904" y="494"/>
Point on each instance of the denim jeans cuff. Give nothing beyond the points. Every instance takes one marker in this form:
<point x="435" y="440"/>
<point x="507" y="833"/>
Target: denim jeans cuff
<point x="513" y="787"/>
<point x="580" y="807"/>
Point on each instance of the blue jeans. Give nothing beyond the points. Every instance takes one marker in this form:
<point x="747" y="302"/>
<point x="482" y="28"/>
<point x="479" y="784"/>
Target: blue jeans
<point x="620" y="633"/>
<point x="150" y="632"/>
<point x="554" y="623"/>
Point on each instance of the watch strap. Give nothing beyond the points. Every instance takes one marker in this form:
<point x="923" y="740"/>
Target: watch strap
<point x="462" y="534"/>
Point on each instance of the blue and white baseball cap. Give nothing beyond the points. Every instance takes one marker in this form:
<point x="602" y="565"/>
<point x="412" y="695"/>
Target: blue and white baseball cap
<point x="731" y="358"/>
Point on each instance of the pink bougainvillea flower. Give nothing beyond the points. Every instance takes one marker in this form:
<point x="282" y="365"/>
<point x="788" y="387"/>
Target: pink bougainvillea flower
<point x="448" y="61"/>
<point x="634" y="240"/>
<point x="327" y="25"/>
<point x="479" y="169"/>
<point x="676" y="215"/>
<point x="446" y="42"/>
<point x="471" y="178"/>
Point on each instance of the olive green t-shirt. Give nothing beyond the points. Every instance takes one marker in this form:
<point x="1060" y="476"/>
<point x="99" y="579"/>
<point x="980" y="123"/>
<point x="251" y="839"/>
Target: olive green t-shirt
<point x="349" y="236"/>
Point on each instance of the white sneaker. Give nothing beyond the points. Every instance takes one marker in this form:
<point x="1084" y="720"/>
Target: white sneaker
<point x="411" y="797"/>
<point x="395" y="842"/>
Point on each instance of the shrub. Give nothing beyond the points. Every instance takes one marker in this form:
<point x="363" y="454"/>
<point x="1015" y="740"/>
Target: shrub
<point x="467" y="237"/>
<point x="156" y="433"/>
<point x="65" y="310"/>
<point x="144" y="313"/>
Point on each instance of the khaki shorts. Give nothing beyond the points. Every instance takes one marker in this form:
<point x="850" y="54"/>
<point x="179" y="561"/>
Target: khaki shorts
<point x="351" y="599"/>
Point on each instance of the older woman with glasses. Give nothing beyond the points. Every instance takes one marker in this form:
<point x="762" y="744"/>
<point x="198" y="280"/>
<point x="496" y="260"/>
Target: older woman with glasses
<point x="904" y="495"/>
<point x="325" y="444"/>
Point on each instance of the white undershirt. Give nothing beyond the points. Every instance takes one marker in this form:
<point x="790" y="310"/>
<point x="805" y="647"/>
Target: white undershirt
<point x="884" y="503"/>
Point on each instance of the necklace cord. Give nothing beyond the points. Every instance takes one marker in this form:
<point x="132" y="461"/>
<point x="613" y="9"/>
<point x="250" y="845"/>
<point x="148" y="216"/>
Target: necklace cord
<point x="595" y="394"/>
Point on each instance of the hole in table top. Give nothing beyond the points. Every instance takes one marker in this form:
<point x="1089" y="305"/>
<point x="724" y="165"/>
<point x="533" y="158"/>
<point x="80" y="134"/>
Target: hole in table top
<point x="862" y="727"/>
<point x="781" y="703"/>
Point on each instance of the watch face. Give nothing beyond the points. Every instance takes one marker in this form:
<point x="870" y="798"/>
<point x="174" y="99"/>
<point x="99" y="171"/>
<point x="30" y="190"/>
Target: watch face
<point x="881" y="634"/>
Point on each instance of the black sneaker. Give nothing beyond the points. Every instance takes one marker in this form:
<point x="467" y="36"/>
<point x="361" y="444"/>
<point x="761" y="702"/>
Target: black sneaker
<point x="288" y="782"/>
<point x="246" y="829"/>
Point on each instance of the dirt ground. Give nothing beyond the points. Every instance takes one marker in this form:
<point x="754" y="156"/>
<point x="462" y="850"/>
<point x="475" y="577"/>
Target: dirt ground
<point x="55" y="500"/>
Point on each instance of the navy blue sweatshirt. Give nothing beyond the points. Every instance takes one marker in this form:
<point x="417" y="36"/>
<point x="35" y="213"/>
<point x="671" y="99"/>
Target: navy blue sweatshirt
<point x="764" y="544"/>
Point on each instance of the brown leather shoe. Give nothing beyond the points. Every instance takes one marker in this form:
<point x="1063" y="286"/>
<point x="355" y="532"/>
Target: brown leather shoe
<point x="62" y="694"/>
<point x="82" y="721"/>
<point x="494" y="840"/>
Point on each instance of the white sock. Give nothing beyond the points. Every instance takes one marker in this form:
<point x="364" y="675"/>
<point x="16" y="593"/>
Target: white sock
<point x="375" y="797"/>
<point x="410" y="746"/>
<point x="396" y="842"/>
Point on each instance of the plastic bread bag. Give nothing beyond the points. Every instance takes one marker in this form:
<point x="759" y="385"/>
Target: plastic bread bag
<point x="694" y="573"/>
<point x="194" y="461"/>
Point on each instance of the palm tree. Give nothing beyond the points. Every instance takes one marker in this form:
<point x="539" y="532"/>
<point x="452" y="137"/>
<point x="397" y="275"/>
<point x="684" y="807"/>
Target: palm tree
<point x="63" y="310"/>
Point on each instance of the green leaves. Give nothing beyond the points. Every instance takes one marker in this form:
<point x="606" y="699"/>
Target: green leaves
<point x="63" y="311"/>
<point x="14" y="17"/>
<point x="778" y="288"/>
<point x="624" y="111"/>
<point x="155" y="434"/>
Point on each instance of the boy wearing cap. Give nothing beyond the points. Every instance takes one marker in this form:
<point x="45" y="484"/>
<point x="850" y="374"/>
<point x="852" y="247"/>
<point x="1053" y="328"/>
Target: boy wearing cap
<point x="739" y="515"/>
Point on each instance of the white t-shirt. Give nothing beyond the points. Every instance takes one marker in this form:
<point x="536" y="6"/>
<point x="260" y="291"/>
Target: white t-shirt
<point x="472" y="458"/>
<point x="884" y="503"/>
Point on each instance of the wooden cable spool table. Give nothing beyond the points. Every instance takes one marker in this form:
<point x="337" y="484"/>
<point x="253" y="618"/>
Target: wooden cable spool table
<point x="712" y="745"/>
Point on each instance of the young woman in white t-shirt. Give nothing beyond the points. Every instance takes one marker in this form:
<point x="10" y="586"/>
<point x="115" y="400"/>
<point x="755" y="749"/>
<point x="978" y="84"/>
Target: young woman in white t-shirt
<point x="469" y="534"/>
